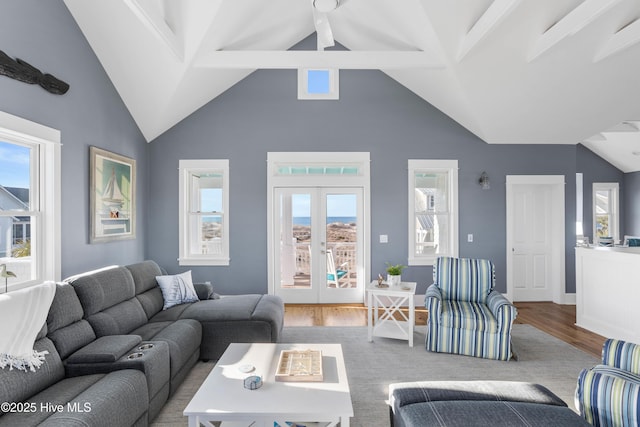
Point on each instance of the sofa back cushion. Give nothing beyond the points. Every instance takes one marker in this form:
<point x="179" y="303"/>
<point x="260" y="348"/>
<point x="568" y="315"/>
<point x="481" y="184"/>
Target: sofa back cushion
<point x="109" y="303"/>
<point x="17" y="386"/>
<point x="146" y="287"/>
<point x="463" y="279"/>
<point x="66" y="327"/>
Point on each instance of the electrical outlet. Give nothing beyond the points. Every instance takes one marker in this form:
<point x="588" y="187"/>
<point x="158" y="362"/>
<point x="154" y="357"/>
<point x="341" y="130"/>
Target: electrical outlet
<point x="469" y="238"/>
<point x="384" y="238"/>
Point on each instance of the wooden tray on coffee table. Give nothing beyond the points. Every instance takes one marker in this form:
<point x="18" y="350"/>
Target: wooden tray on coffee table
<point x="299" y="366"/>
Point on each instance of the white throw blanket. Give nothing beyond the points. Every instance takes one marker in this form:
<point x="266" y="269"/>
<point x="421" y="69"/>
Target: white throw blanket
<point x="22" y="315"/>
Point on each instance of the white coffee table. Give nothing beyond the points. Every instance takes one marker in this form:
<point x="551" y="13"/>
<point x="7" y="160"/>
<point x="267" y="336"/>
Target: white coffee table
<point x="391" y="300"/>
<point x="222" y="397"/>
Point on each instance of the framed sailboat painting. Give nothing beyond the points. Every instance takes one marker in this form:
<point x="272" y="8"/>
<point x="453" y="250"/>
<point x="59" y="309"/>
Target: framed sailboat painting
<point x="112" y="198"/>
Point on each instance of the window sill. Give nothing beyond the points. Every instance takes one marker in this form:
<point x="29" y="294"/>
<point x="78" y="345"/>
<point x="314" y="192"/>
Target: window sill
<point x="422" y="260"/>
<point x="205" y="262"/>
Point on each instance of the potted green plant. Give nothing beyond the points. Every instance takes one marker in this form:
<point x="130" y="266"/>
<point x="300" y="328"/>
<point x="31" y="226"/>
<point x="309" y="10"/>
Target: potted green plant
<point x="394" y="274"/>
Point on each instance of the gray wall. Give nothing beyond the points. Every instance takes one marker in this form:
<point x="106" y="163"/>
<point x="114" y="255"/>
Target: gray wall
<point x="44" y="34"/>
<point x="631" y="195"/>
<point x="374" y="114"/>
<point x="258" y="115"/>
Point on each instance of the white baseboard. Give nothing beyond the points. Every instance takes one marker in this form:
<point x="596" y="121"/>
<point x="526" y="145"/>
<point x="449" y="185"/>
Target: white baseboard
<point x="569" y="299"/>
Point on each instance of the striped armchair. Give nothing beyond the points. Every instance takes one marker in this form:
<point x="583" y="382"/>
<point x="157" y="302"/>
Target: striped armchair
<point x="609" y="394"/>
<point x="466" y="316"/>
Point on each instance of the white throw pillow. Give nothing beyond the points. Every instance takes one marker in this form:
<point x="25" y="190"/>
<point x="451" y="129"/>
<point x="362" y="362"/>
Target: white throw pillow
<point x="177" y="289"/>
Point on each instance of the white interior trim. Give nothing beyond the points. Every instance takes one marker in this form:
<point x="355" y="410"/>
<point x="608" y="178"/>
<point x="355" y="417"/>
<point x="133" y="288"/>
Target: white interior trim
<point x="17" y="129"/>
<point x="557" y="225"/>
<point x="274" y="180"/>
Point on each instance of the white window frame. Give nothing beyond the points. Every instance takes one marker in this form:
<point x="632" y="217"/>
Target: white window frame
<point x="186" y="169"/>
<point x="431" y="166"/>
<point x="45" y="194"/>
<point x="359" y="160"/>
<point x="614" y="205"/>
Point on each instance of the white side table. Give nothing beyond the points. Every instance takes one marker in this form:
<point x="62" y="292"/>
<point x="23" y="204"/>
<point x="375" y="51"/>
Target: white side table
<point x="391" y="300"/>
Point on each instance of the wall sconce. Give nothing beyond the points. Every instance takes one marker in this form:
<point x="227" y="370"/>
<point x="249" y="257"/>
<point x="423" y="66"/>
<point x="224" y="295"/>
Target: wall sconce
<point x="484" y="181"/>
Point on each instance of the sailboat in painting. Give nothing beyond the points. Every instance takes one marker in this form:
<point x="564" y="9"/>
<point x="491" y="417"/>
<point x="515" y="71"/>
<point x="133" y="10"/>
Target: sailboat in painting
<point x="112" y="197"/>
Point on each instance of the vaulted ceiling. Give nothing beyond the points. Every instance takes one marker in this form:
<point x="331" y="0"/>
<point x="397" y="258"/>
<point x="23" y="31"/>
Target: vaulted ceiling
<point x="510" y="71"/>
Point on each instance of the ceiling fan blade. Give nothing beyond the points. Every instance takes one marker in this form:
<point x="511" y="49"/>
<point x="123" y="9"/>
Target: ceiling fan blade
<point x="323" y="29"/>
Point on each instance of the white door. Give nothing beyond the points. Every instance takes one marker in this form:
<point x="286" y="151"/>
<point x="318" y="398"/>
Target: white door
<point x="318" y="244"/>
<point x="535" y="234"/>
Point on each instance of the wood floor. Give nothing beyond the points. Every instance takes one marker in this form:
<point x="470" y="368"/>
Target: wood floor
<point x="554" y="319"/>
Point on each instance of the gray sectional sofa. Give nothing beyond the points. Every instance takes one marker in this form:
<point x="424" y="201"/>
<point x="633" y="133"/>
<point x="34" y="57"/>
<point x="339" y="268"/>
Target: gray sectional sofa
<point x="115" y="356"/>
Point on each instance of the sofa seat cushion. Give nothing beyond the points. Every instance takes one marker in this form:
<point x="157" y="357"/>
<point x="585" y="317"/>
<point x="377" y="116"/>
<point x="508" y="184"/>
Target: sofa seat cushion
<point x="267" y="308"/>
<point x="465" y="413"/>
<point x="183" y="337"/>
<point x="117" y="398"/>
<point x="17" y="386"/>
<point x="468" y="315"/>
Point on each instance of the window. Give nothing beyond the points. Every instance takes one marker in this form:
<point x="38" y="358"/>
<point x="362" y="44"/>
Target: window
<point x="29" y="202"/>
<point x="318" y="83"/>
<point x="433" y="210"/>
<point x="605" y="211"/>
<point x="204" y="212"/>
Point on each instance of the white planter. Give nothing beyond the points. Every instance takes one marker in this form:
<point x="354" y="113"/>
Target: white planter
<point x="394" y="281"/>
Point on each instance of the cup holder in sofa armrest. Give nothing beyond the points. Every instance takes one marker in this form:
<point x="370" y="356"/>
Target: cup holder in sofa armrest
<point x="106" y="349"/>
<point x="146" y="346"/>
<point x="135" y="355"/>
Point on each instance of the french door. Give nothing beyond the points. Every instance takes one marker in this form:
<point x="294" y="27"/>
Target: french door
<point x="318" y="246"/>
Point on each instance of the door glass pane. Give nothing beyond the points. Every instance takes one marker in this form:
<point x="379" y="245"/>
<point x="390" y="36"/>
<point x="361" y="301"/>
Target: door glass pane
<point x="341" y="240"/>
<point x="295" y="241"/>
<point x="15" y="196"/>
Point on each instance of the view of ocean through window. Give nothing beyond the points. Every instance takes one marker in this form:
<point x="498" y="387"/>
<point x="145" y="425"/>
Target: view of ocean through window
<point x="305" y="220"/>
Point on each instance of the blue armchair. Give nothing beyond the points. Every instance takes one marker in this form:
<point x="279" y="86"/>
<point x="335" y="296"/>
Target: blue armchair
<point x="609" y="394"/>
<point x="466" y="316"/>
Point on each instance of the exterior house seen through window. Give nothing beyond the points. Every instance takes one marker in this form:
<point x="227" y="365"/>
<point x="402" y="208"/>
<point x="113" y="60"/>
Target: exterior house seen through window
<point x="29" y="203"/>
<point x="605" y="211"/>
<point x="204" y="212"/>
<point x="433" y="210"/>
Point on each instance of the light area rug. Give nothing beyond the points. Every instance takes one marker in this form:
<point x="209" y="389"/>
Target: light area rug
<point x="372" y="366"/>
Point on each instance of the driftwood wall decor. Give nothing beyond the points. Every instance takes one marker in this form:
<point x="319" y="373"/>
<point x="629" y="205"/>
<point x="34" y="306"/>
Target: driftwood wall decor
<point x="24" y="72"/>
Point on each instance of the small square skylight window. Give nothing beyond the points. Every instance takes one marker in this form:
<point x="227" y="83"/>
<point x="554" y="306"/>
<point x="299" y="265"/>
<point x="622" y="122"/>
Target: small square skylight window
<point x="318" y="83"/>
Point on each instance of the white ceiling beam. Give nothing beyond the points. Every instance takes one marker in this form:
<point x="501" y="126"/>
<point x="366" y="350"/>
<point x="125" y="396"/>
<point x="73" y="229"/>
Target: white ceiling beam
<point x="623" y="39"/>
<point x="628" y="126"/>
<point x="599" y="137"/>
<point x="574" y="21"/>
<point x="488" y="22"/>
<point x="357" y="60"/>
<point x="155" y="23"/>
